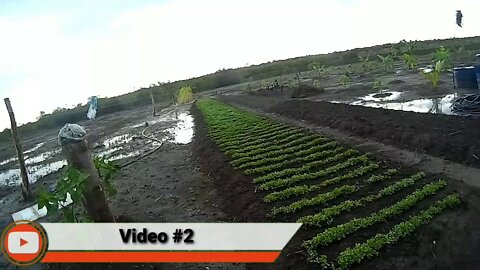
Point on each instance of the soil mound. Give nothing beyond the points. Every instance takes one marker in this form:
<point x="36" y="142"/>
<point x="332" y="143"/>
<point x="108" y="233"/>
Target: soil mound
<point x="304" y="91"/>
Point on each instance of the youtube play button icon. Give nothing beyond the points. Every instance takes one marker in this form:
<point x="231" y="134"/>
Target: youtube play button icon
<point x="24" y="243"/>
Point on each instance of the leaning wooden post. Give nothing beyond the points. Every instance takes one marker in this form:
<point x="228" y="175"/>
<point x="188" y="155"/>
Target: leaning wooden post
<point x="72" y="137"/>
<point x="26" y="190"/>
<point x="153" y="102"/>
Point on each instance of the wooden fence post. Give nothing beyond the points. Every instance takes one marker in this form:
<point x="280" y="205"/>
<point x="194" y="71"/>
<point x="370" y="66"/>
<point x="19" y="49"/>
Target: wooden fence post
<point x="72" y="137"/>
<point x="26" y="190"/>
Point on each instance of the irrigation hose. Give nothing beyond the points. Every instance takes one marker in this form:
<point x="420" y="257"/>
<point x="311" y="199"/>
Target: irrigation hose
<point x="148" y="153"/>
<point x="469" y="104"/>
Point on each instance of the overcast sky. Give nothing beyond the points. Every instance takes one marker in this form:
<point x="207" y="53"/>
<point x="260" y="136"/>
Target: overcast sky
<point x="58" y="53"/>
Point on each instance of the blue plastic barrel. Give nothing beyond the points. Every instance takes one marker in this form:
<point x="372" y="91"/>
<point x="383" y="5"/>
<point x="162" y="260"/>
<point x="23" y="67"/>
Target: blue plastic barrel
<point x="466" y="77"/>
<point x="477" y="70"/>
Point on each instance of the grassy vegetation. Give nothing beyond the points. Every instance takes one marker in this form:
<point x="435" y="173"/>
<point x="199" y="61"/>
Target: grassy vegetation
<point x="315" y="181"/>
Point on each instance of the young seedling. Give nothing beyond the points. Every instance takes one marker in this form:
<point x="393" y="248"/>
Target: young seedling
<point x="378" y="85"/>
<point x="410" y="61"/>
<point x="344" y="80"/>
<point x="434" y="75"/>
<point x="442" y="55"/>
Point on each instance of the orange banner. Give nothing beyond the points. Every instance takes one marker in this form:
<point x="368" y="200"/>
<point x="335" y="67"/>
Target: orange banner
<point x="162" y="257"/>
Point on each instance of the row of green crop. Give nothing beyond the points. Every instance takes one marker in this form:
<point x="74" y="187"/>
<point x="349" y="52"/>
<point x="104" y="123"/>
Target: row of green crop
<point x="233" y="143"/>
<point x="341" y="231"/>
<point x="327" y="214"/>
<point x="275" y="147"/>
<point x="266" y="165"/>
<point x="304" y="189"/>
<point x="276" y="150"/>
<point x="371" y="247"/>
<point x="317" y="200"/>
<point x="281" y="157"/>
<point x="282" y="138"/>
<point x="306" y="167"/>
<point x="286" y="182"/>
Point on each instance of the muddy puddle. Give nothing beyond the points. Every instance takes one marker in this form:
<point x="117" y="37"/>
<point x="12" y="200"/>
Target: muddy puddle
<point x="392" y="100"/>
<point x="172" y="125"/>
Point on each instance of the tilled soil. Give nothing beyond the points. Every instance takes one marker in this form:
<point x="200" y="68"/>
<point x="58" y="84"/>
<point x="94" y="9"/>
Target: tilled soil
<point x="455" y="138"/>
<point x="450" y="241"/>
<point x="452" y="137"/>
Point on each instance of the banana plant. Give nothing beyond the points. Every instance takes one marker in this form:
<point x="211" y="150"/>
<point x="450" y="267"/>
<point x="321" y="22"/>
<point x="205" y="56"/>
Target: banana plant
<point x="319" y="69"/>
<point x="443" y="55"/>
<point x="410" y="60"/>
<point x="378" y="85"/>
<point x="434" y="75"/>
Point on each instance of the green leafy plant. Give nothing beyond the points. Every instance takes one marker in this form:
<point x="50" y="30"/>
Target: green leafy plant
<point x="366" y="65"/>
<point x="341" y="231"/>
<point x="387" y="61"/>
<point x="317" y="200"/>
<point x="434" y="75"/>
<point x="344" y="80"/>
<point x="378" y="85"/>
<point x="370" y="248"/>
<point x="443" y="55"/>
<point x="72" y="182"/>
<point x="407" y="46"/>
<point x="106" y="170"/>
<point x="286" y="182"/>
<point x="301" y="190"/>
<point x="327" y="214"/>
<point x="321" y="71"/>
<point x="410" y="61"/>
<point x="306" y="167"/>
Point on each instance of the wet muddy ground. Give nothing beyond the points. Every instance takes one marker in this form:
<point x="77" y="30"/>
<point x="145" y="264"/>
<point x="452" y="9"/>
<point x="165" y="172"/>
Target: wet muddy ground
<point x="164" y="186"/>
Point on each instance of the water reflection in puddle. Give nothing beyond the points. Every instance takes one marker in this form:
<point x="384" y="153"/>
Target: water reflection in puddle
<point x="35" y="148"/>
<point x="382" y="96"/>
<point x="440" y="105"/>
<point x="183" y="132"/>
<point x="42" y="157"/>
<point x="120" y="139"/>
<point x="12" y="177"/>
<point x="7" y="161"/>
<point x="179" y="132"/>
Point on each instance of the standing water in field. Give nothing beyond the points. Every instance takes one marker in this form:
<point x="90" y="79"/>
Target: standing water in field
<point x="440" y="105"/>
<point x="183" y="132"/>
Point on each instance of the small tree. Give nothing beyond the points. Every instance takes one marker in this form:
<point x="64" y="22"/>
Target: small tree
<point x="185" y="95"/>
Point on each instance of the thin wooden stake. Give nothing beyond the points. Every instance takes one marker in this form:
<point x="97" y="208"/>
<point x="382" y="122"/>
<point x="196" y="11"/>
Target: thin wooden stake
<point x="153" y="103"/>
<point x="26" y="190"/>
